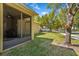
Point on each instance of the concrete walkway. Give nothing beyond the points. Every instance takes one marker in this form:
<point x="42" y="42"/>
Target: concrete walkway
<point x="74" y="47"/>
<point x="73" y="36"/>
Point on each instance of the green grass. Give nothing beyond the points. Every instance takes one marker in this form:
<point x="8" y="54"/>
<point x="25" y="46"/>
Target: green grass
<point x="42" y="46"/>
<point x="57" y="37"/>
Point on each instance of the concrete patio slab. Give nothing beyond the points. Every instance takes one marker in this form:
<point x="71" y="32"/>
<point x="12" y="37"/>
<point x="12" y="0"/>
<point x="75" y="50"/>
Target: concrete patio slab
<point x="15" y="41"/>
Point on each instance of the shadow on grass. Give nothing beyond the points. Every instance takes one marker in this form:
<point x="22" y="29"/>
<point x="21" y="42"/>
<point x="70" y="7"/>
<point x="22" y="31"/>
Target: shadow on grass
<point x="54" y="50"/>
<point x="76" y="45"/>
<point x="40" y="47"/>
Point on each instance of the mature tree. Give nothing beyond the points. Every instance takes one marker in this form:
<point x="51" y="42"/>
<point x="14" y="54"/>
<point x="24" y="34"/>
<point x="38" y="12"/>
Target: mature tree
<point x="72" y="9"/>
<point x="50" y="18"/>
<point x="39" y="20"/>
<point x="42" y="20"/>
<point x="71" y="12"/>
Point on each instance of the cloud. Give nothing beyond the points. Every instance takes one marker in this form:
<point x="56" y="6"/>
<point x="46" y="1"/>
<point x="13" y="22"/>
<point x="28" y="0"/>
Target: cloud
<point x="45" y="12"/>
<point x="35" y="6"/>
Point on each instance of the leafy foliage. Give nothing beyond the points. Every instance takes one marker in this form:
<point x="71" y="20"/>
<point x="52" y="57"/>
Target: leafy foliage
<point x="55" y="20"/>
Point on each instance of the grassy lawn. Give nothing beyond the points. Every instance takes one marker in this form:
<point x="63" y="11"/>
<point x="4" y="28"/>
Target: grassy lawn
<point x="42" y="46"/>
<point x="57" y="37"/>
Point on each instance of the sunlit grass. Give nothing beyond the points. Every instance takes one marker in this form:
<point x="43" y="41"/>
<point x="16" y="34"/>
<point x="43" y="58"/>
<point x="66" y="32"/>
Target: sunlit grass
<point x="57" y="37"/>
<point x="51" y="35"/>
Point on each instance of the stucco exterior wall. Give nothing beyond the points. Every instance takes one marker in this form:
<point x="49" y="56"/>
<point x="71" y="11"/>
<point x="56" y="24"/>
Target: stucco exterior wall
<point x="32" y="34"/>
<point x="35" y="28"/>
<point x="1" y="27"/>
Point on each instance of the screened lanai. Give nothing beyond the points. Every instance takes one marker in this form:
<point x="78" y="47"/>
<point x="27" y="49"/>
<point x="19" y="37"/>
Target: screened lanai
<point x="15" y="24"/>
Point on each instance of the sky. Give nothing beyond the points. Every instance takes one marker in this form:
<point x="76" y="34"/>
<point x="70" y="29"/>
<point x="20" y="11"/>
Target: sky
<point x="40" y="8"/>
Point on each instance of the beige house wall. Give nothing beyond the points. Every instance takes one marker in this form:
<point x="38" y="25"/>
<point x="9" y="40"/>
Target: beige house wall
<point x="35" y="28"/>
<point x="32" y="29"/>
<point x="1" y="27"/>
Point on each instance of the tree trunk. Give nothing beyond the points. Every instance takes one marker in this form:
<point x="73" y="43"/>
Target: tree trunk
<point x="68" y="36"/>
<point x="70" y="17"/>
<point x="68" y="28"/>
<point x="50" y="30"/>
